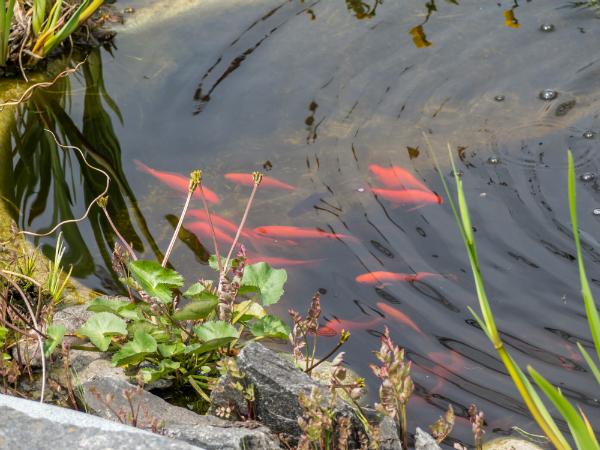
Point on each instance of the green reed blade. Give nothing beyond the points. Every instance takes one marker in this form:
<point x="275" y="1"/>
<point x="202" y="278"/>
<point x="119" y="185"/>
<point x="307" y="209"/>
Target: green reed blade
<point x="584" y="438"/>
<point x="6" y="16"/>
<point x="590" y="362"/>
<point x="66" y="30"/>
<point x="39" y="15"/>
<point x="586" y="292"/>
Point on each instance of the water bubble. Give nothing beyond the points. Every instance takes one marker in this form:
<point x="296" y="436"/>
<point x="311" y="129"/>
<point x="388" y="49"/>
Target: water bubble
<point x="587" y="176"/>
<point x="596" y="212"/>
<point x="499" y="98"/>
<point x="548" y="94"/>
<point x="361" y="189"/>
<point x="494" y="160"/>
<point x="589" y="134"/>
<point x="547" y="27"/>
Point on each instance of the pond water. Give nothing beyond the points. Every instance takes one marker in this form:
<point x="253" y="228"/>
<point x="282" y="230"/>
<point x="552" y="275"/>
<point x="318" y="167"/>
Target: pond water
<point x="312" y="93"/>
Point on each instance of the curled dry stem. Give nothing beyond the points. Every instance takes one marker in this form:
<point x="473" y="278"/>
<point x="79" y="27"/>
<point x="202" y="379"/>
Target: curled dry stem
<point x="87" y="211"/>
<point x="31" y="89"/>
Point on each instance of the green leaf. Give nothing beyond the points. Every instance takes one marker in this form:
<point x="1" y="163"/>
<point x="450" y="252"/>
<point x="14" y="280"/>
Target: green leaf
<point x="198" y="349"/>
<point x="217" y="329"/>
<point x="55" y="333"/>
<point x="168" y="350"/>
<point x="165" y="367"/>
<point x="101" y="326"/>
<point x="197" y="290"/>
<point x="156" y="280"/>
<point x="134" y="352"/>
<point x="159" y="333"/>
<point x="3" y="334"/>
<point x="120" y="306"/>
<point x="269" y="281"/>
<point x="590" y="362"/>
<point x="197" y="309"/>
<point x="270" y="326"/>
<point x="247" y="310"/>
<point x="582" y="435"/>
<point x="212" y="262"/>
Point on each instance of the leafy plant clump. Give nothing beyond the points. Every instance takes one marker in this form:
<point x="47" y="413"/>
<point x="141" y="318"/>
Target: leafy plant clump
<point x="180" y="337"/>
<point x="30" y="30"/>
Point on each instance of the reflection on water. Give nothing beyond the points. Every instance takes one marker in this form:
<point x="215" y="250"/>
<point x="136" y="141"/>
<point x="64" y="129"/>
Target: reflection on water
<point x="318" y="103"/>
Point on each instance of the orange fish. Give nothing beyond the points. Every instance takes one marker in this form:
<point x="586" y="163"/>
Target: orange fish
<point x="379" y="277"/>
<point x="333" y="327"/>
<point x="203" y="229"/>
<point x="247" y="180"/>
<point x="449" y="360"/>
<point x="217" y="221"/>
<point x="278" y="262"/>
<point x="399" y="316"/>
<point x="397" y="177"/>
<point x="177" y="182"/>
<point x="408" y="196"/>
<point x="275" y="231"/>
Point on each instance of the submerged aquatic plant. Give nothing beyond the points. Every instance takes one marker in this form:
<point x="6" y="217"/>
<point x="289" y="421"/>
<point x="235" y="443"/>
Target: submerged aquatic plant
<point x="579" y="426"/>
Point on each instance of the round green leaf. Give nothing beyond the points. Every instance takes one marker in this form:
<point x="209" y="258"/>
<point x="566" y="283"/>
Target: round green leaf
<point x="101" y="326"/>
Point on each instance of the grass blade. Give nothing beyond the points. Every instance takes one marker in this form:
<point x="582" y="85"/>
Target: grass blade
<point x="590" y="362"/>
<point x="588" y="299"/>
<point x="584" y="439"/>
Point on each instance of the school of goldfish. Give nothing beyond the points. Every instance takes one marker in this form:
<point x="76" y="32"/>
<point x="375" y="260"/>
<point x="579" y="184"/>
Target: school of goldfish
<point x="401" y="188"/>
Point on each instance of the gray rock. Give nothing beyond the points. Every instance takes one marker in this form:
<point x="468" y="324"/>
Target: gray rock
<point x="29" y="425"/>
<point x="72" y="317"/>
<point x="277" y="384"/>
<point x="180" y="423"/>
<point x="424" y="441"/>
<point x="388" y="435"/>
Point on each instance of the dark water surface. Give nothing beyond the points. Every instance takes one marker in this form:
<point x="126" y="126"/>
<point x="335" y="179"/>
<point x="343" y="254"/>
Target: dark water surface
<point x="320" y="95"/>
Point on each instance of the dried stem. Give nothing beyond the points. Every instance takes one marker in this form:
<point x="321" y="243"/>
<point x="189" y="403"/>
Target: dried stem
<point x="257" y="176"/>
<point x="39" y="338"/>
<point x="195" y="180"/>
<point x="212" y="230"/>
<point x="102" y="202"/>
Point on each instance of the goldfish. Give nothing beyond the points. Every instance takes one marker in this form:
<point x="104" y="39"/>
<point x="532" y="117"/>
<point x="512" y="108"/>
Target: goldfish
<point x="399" y="316"/>
<point x="275" y="261"/>
<point x="449" y="360"/>
<point x="333" y="327"/>
<point x="177" y="182"/>
<point x="247" y="180"/>
<point x="408" y="196"/>
<point x="275" y="231"/>
<point x="203" y="229"/>
<point x="379" y="277"/>
<point x="397" y="177"/>
<point x="217" y="221"/>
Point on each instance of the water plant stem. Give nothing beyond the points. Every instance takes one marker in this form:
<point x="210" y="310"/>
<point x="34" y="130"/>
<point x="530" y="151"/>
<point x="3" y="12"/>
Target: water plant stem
<point x="195" y="180"/>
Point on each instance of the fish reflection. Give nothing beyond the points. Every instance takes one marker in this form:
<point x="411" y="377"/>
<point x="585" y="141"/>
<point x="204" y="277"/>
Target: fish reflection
<point x="176" y="182"/>
<point x="284" y="262"/>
